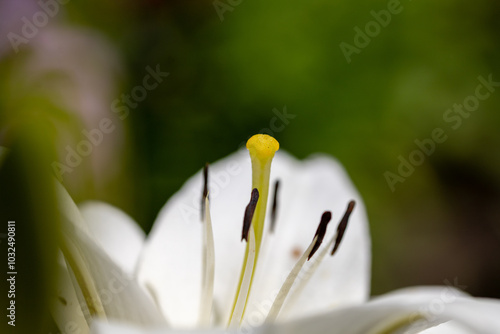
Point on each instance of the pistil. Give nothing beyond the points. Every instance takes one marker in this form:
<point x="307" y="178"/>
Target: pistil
<point x="262" y="149"/>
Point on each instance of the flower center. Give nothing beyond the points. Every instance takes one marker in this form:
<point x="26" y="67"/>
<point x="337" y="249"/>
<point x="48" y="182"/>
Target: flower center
<point x="262" y="149"/>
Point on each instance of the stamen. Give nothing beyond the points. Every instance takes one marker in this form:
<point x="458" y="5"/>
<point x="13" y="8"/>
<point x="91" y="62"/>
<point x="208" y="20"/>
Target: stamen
<point x="239" y="307"/>
<point x="275" y="205"/>
<point x="249" y="212"/>
<point x="262" y="149"/>
<point x="208" y="268"/>
<point x="205" y="191"/>
<point x="320" y="232"/>
<point x="342" y="226"/>
<point x="286" y="287"/>
<point x="292" y="298"/>
<point x="246" y="281"/>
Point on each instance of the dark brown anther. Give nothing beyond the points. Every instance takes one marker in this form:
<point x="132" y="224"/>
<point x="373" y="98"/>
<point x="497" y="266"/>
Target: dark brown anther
<point x="275" y="205"/>
<point x="342" y="226"/>
<point x="205" y="191"/>
<point x="320" y="232"/>
<point x="249" y="211"/>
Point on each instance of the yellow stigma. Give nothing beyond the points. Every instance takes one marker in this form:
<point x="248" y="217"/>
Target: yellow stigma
<point x="262" y="147"/>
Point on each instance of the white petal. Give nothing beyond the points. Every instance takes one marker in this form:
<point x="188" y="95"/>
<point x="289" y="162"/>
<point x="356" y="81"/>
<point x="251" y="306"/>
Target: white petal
<point x="450" y="327"/>
<point x="413" y="309"/>
<point x="171" y="262"/>
<point x="119" y="294"/>
<point x="481" y="315"/>
<point x="116" y="232"/>
<point x="99" y="327"/>
<point x="307" y="189"/>
<point x="68" y="208"/>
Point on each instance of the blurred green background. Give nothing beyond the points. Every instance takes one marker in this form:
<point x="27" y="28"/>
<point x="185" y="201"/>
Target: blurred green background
<point x="231" y="63"/>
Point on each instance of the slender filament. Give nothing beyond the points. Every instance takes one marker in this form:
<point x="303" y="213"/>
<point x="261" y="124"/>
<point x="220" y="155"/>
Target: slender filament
<point x="208" y="268"/>
<point x="285" y="288"/>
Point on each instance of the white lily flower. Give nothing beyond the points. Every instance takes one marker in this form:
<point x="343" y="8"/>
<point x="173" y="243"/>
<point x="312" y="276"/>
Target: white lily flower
<point x="193" y="275"/>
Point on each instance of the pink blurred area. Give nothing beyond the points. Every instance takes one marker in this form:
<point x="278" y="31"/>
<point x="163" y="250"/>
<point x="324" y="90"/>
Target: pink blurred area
<point x="78" y="71"/>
